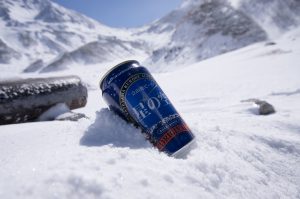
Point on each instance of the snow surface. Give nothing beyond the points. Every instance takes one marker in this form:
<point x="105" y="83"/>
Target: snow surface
<point x="54" y="111"/>
<point x="239" y="154"/>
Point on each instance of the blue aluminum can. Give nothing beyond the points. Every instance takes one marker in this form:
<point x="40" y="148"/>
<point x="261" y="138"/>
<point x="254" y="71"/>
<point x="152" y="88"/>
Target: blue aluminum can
<point x="131" y="92"/>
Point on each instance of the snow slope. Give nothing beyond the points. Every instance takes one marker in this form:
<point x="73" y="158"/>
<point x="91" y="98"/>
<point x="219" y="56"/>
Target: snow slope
<point x="239" y="154"/>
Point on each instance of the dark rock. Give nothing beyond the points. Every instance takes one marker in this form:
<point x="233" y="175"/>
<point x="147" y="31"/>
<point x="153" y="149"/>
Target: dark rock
<point x="271" y="43"/>
<point x="265" y="108"/>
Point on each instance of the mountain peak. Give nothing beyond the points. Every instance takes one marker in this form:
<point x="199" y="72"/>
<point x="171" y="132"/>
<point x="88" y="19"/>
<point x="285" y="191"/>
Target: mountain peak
<point x="275" y="16"/>
<point x="42" y="29"/>
<point x="204" y="29"/>
<point x="34" y="30"/>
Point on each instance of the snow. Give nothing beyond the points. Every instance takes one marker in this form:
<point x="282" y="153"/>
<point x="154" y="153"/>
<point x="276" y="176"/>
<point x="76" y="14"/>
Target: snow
<point x="20" y="14"/>
<point x="54" y="111"/>
<point x="238" y="155"/>
<point x="108" y="128"/>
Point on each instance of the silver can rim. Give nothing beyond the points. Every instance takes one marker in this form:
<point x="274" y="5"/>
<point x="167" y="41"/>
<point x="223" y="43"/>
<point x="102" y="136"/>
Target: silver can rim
<point x="113" y="68"/>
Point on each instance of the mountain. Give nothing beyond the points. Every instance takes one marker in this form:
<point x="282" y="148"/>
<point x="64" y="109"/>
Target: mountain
<point x="105" y="49"/>
<point x="202" y="29"/>
<point x="34" y="30"/>
<point x="275" y="16"/>
<point x="42" y="36"/>
<point x="7" y="53"/>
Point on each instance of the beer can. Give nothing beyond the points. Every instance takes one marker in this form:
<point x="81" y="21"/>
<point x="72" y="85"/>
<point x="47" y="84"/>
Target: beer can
<point x="130" y="91"/>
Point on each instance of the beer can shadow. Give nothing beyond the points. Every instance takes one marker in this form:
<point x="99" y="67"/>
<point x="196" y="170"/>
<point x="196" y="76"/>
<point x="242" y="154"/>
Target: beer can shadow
<point x="109" y="128"/>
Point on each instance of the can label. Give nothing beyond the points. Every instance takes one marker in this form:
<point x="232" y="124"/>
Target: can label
<point x="142" y="100"/>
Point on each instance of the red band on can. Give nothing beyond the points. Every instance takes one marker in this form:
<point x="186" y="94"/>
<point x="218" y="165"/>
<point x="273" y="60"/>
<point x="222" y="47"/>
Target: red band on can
<point x="170" y="134"/>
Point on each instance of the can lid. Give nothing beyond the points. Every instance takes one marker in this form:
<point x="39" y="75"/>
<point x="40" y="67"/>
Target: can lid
<point x="114" y="68"/>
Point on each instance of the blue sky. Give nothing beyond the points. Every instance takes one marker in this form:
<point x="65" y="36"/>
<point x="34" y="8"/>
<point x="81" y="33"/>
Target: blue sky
<point x="122" y="13"/>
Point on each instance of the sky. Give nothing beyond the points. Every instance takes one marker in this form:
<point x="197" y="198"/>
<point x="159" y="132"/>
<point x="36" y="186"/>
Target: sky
<point x="122" y="13"/>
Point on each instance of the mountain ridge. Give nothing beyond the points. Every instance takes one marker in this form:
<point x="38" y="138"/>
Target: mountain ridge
<point x="43" y="32"/>
<point x="42" y="29"/>
<point x="203" y="29"/>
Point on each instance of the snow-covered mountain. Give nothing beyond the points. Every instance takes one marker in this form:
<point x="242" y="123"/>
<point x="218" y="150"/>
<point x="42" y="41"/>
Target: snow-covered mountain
<point x="203" y="29"/>
<point x="40" y="29"/>
<point x="39" y="35"/>
<point x="7" y="53"/>
<point x="105" y="49"/>
<point x="275" y="16"/>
